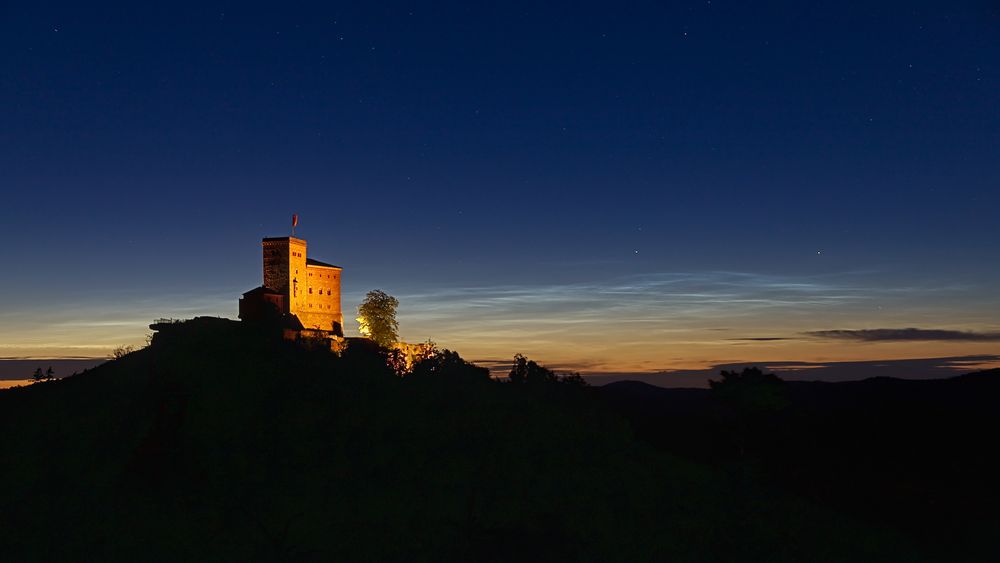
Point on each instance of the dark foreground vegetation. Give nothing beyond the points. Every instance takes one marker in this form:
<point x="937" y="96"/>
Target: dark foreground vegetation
<point x="218" y="442"/>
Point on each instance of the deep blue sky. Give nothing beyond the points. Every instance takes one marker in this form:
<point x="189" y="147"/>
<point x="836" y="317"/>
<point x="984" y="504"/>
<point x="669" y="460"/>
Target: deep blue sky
<point x="516" y="173"/>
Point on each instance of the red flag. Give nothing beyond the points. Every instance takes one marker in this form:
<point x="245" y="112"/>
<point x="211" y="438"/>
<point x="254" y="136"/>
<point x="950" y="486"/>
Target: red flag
<point x="295" y="220"/>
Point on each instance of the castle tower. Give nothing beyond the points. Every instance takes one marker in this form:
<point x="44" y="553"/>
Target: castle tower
<point x="285" y="270"/>
<point x="310" y="289"/>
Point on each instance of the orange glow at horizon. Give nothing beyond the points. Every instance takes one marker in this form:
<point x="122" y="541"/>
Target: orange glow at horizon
<point x="641" y="324"/>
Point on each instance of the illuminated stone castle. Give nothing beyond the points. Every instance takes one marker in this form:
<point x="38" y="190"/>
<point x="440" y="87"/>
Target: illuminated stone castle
<point x="302" y="293"/>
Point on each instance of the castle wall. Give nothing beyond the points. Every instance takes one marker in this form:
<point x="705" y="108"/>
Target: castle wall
<point x="298" y="291"/>
<point x="323" y="298"/>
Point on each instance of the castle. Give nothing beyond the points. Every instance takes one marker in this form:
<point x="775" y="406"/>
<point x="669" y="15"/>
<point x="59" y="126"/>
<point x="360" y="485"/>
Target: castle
<point x="301" y="293"/>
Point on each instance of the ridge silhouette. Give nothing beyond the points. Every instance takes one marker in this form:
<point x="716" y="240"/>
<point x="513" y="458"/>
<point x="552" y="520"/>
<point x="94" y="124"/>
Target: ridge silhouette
<point x="220" y="441"/>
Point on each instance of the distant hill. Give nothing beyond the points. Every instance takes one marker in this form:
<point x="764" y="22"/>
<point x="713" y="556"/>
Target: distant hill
<point x="22" y="368"/>
<point x="914" y="452"/>
<point x="644" y="398"/>
<point x="221" y="442"/>
<point x="976" y="390"/>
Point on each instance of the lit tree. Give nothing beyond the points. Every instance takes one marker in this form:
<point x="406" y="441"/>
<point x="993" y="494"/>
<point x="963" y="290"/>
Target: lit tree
<point x="377" y="318"/>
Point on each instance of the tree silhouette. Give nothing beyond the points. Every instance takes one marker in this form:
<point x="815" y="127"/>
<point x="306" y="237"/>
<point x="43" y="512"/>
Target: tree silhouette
<point x="121" y="351"/>
<point x="448" y="364"/>
<point x="377" y="315"/>
<point x="50" y="373"/>
<point x="574" y="379"/>
<point x="751" y="392"/>
<point x="38" y="375"/>
<point x="396" y="359"/>
<point x="528" y="371"/>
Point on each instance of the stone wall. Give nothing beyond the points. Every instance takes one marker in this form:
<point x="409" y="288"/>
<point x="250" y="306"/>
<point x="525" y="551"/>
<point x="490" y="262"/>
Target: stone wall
<point x="322" y="307"/>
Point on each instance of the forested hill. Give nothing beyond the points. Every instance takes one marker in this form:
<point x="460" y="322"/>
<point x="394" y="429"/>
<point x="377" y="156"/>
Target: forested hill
<point x="219" y="442"/>
<point x="916" y="453"/>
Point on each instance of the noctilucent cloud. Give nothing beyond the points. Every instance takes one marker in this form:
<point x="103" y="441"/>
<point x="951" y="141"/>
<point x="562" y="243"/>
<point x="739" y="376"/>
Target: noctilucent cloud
<point x="609" y="188"/>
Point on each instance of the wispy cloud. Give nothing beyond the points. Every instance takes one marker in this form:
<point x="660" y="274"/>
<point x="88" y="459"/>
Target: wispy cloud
<point x="641" y="310"/>
<point x="905" y="334"/>
<point x="92" y="324"/>
<point x="649" y="298"/>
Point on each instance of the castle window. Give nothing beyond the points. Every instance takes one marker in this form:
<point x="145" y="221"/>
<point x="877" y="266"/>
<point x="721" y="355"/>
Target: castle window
<point x="310" y="290"/>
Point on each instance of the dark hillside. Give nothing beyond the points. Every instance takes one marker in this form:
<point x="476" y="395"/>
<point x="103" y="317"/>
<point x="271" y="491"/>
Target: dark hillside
<point x="916" y="454"/>
<point x="218" y="442"/>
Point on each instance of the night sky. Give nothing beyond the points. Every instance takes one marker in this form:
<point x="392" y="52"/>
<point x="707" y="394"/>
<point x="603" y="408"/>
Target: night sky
<point x="616" y="188"/>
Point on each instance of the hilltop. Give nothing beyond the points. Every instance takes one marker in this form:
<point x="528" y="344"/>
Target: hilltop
<point x="220" y="442"/>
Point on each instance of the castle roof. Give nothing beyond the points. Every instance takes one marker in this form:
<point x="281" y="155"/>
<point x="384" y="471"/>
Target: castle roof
<point x="272" y="239"/>
<point x="261" y="289"/>
<point x="311" y="262"/>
